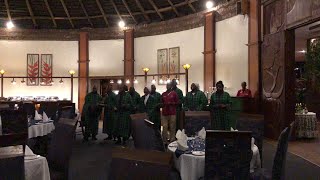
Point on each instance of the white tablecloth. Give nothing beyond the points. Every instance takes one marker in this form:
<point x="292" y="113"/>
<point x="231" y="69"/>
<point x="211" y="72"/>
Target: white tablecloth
<point x="191" y="167"/>
<point x="306" y="125"/>
<point x="40" y="129"/>
<point x="36" y="168"/>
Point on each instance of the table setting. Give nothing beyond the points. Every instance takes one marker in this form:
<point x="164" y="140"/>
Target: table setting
<point x="306" y="124"/>
<point x="41" y="125"/>
<point x="189" y="155"/>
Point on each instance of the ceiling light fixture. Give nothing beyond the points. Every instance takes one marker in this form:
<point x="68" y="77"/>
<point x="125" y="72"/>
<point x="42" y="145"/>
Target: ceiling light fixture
<point x="135" y="81"/>
<point x="128" y="81"/>
<point x="119" y="81"/>
<point x="111" y="81"/>
<point x="122" y="24"/>
<point x="209" y="4"/>
<point x="10" y="25"/>
<point x="61" y="81"/>
<point x="23" y="81"/>
<point x="161" y="81"/>
<point x="153" y="81"/>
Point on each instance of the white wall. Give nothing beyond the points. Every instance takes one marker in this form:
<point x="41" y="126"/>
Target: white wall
<point x="13" y="59"/>
<point x="106" y="57"/>
<point x="232" y="52"/>
<point x="191" y="44"/>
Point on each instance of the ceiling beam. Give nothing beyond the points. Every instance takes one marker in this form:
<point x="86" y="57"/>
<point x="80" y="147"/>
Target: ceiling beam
<point x="85" y="12"/>
<point x="31" y="13"/>
<point x="102" y="12"/>
<point x="174" y="8"/>
<point x="67" y="12"/>
<point x="142" y="11"/>
<point x="156" y="8"/>
<point x="116" y="9"/>
<point x="128" y="9"/>
<point x="8" y="9"/>
<point x="191" y="6"/>
<point x="51" y="14"/>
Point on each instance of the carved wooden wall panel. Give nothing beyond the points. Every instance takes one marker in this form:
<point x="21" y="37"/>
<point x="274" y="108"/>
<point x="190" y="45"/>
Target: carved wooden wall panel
<point x="301" y="11"/>
<point x="274" y="17"/>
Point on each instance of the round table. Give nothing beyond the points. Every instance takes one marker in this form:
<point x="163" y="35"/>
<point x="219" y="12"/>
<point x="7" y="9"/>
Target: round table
<point x="40" y="129"/>
<point x="306" y="125"/>
<point x="192" y="167"/>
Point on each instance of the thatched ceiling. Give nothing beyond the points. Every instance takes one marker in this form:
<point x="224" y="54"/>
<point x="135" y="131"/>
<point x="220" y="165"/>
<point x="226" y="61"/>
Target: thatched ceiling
<point x="77" y="14"/>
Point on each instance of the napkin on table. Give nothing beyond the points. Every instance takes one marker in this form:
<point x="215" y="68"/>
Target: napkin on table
<point x="28" y="152"/>
<point x="45" y="117"/>
<point x="37" y="116"/>
<point x="202" y="133"/>
<point x="182" y="140"/>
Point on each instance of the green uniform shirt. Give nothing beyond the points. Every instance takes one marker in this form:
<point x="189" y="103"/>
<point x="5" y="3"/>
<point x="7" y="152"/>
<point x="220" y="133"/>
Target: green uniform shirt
<point x="196" y="101"/>
<point x="221" y="116"/>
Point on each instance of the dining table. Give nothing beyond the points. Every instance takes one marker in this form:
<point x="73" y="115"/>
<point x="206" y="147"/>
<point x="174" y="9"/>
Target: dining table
<point x="40" y="128"/>
<point x="36" y="166"/>
<point x="191" y="163"/>
<point x="306" y="125"/>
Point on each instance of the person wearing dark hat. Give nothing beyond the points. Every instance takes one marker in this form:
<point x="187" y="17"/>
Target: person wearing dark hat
<point x="220" y="103"/>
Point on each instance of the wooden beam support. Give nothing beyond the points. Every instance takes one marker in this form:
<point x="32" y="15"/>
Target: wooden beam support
<point x="254" y="48"/>
<point x="7" y="9"/>
<point x="51" y="14"/>
<point x="129" y="54"/>
<point x="102" y="12"/>
<point x="116" y="9"/>
<point x="209" y="50"/>
<point x="31" y="13"/>
<point x="142" y="11"/>
<point x="129" y="11"/>
<point x="67" y="12"/>
<point x="173" y="7"/>
<point x="83" y="68"/>
<point x="190" y="5"/>
<point x="156" y="8"/>
<point x="86" y="13"/>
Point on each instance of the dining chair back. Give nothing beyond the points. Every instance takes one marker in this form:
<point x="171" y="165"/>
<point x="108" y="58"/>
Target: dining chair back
<point x="228" y="154"/>
<point x="194" y="121"/>
<point x="60" y="148"/>
<point x="145" y="134"/>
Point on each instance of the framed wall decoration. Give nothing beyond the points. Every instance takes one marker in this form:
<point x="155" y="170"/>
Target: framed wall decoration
<point x="46" y="70"/>
<point x="162" y="59"/>
<point x="174" y="61"/>
<point x="32" y="69"/>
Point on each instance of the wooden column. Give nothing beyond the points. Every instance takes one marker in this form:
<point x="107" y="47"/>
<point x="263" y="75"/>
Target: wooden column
<point x="83" y="68"/>
<point x="129" y="55"/>
<point x="209" y="50"/>
<point x="254" y="47"/>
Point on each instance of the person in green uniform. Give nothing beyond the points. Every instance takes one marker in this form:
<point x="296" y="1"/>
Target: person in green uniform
<point x="147" y="104"/>
<point x="92" y="113"/>
<point x="195" y="100"/>
<point x="135" y="99"/>
<point x="220" y="104"/>
<point x="179" y="106"/>
<point x="123" y="111"/>
<point x="157" y="98"/>
<point x="109" y="112"/>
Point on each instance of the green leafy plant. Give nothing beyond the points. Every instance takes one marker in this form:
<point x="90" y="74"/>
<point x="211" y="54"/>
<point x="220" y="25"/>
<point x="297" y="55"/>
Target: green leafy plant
<point x="312" y="66"/>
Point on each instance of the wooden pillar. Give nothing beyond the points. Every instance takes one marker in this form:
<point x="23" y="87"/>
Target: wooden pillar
<point x="129" y="55"/>
<point x="254" y="47"/>
<point x="83" y="68"/>
<point x="209" y="50"/>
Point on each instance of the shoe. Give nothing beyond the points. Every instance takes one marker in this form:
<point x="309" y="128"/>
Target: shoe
<point x="118" y="141"/>
<point x="94" y="138"/>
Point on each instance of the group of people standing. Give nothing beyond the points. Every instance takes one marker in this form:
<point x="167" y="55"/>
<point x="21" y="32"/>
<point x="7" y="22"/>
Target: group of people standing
<point x="117" y="109"/>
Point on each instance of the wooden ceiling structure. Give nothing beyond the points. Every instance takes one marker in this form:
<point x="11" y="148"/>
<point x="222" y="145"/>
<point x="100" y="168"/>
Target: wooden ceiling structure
<point x="78" y="14"/>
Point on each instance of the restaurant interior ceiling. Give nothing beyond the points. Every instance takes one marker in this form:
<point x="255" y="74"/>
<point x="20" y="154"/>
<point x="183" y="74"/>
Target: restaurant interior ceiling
<point x="79" y="14"/>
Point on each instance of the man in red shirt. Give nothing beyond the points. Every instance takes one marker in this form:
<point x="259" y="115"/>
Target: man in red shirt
<point x="169" y="101"/>
<point x="244" y="92"/>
